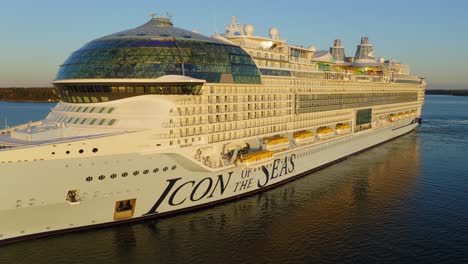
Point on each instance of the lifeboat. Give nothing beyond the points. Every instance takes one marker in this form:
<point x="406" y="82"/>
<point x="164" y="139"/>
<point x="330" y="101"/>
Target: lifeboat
<point x="342" y="129"/>
<point x="325" y="132"/>
<point x="254" y="158"/>
<point x="303" y="137"/>
<point x="275" y="143"/>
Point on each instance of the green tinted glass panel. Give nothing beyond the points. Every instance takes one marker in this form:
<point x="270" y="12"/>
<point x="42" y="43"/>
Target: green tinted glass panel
<point x="134" y="59"/>
<point x="363" y="116"/>
<point x="309" y="103"/>
<point x="105" y="92"/>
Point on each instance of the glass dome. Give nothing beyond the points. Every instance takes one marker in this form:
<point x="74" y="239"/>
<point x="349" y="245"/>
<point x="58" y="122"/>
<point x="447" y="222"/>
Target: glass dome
<point x="156" y="49"/>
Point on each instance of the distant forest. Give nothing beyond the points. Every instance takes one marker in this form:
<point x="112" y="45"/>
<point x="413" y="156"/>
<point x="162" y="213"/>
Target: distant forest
<point x="47" y="94"/>
<point x="448" y="92"/>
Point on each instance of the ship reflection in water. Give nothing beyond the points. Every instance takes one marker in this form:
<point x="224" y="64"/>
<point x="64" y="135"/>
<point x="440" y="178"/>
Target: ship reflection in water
<point x="342" y="209"/>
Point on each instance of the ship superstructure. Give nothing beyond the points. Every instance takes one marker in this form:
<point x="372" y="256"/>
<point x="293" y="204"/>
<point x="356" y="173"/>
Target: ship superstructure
<point x="157" y="119"/>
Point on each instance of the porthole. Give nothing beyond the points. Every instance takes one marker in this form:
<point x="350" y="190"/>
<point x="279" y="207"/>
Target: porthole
<point x="53" y="153"/>
<point x="113" y="176"/>
<point x="145" y="171"/>
<point x="135" y="173"/>
<point x="124" y="174"/>
<point x="95" y="150"/>
<point x="174" y="167"/>
<point x="88" y="179"/>
<point x="156" y="170"/>
<point x="102" y="177"/>
<point x="165" y="168"/>
<point x="81" y="151"/>
<point x="68" y="152"/>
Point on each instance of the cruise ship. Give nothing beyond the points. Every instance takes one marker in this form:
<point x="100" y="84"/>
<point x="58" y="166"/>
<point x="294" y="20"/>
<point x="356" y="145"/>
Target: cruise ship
<point x="158" y="120"/>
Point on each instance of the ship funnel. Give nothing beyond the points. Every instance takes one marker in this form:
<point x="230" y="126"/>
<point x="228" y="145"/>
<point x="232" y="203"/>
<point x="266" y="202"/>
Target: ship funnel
<point x="364" y="51"/>
<point x="365" y="40"/>
<point x="337" y="43"/>
<point x="337" y="51"/>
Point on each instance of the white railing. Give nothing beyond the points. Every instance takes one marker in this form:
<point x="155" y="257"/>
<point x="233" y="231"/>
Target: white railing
<point x="8" y="130"/>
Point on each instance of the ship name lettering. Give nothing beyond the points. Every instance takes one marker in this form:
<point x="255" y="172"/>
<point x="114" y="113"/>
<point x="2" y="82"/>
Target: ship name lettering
<point x="245" y="173"/>
<point x="243" y="185"/>
<point x="280" y="168"/>
<point x="195" y="191"/>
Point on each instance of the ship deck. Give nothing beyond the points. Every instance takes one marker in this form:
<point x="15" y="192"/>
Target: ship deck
<point x="39" y="133"/>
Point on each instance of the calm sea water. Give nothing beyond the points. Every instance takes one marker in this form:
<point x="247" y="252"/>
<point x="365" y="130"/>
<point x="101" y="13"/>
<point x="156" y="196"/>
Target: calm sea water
<point x="403" y="202"/>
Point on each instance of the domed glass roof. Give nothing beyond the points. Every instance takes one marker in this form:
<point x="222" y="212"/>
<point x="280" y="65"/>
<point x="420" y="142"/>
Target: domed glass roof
<point x="159" y="27"/>
<point x="156" y="49"/>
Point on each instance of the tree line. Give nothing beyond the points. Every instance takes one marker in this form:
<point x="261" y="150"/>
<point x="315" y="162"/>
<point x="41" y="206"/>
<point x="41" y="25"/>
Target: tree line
<point x="35" y="94"/>
<point x="448" y="92"/>
<point x="49" y="94"/>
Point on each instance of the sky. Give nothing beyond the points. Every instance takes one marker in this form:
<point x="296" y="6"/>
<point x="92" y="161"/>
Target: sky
<point x="36" y="36"/>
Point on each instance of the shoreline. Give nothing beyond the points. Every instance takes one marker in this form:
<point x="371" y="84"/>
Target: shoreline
<point x="29" y="95"/>
<point x="447" y="92"/>
<point x="50" y="95"/>
<point x="28" y="101"/>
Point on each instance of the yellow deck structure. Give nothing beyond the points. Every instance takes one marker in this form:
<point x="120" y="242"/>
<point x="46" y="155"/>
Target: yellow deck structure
<point x="303" y="135"/>
<point x="256" y="156"/>
<point x="341" y="126"/>
<point x="272" y="141"/>
<point x="324" y="130"/>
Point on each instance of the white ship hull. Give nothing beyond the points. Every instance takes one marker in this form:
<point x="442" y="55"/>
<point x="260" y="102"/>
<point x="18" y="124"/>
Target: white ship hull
<point x="35" y="205"/>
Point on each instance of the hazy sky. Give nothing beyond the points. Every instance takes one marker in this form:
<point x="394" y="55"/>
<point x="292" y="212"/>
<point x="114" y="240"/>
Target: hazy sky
<point x="432" y="36"/>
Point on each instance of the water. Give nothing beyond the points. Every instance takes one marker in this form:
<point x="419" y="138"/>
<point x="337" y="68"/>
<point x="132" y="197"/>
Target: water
<point x="20" y="113"/>
<point x="402" y="202"/>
